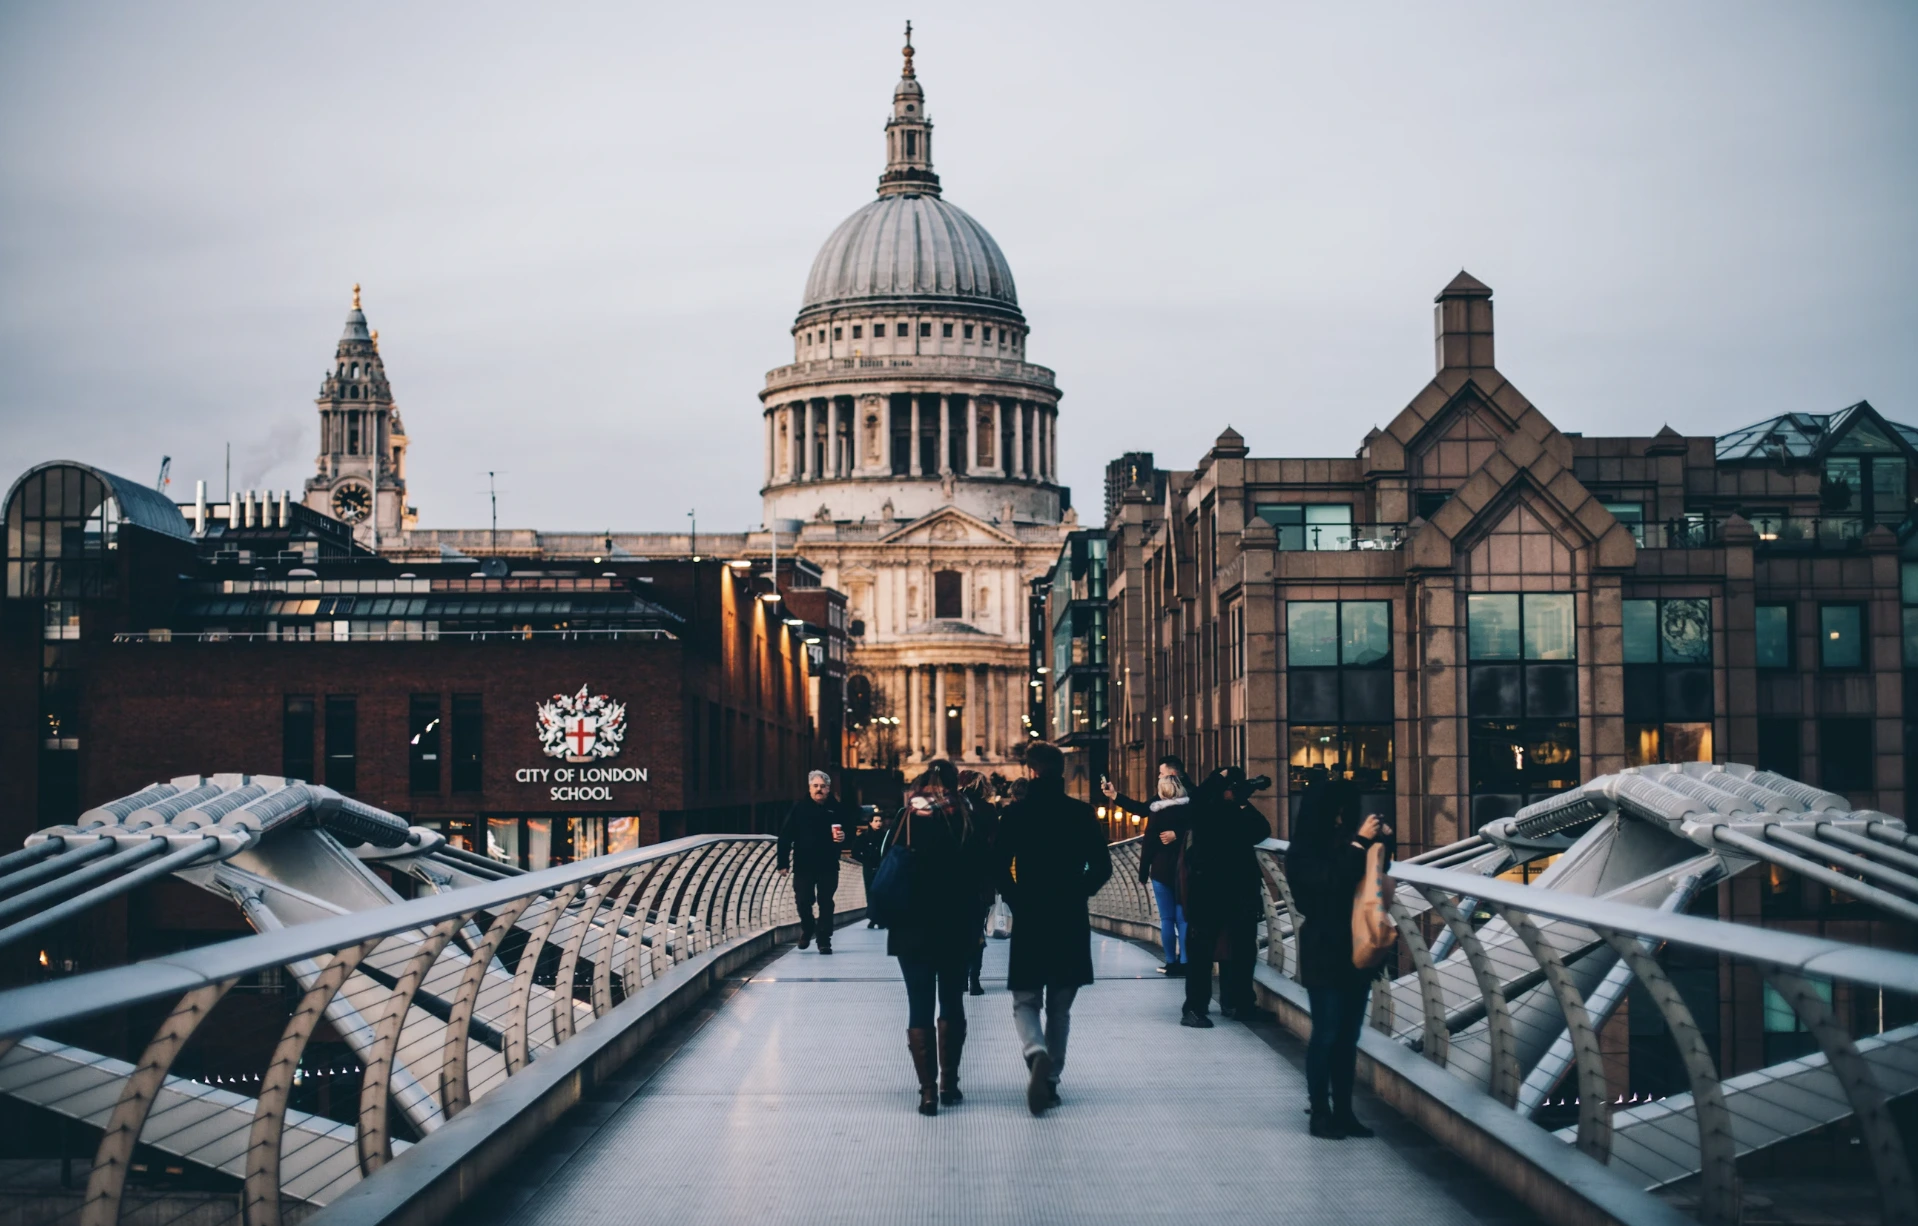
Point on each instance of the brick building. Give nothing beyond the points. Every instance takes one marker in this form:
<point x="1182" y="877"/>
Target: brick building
<point x="541" y="713"/>
<point x="1476" y="609"/>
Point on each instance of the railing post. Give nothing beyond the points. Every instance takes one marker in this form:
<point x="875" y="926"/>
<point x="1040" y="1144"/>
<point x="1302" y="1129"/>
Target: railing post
<point x="1594" y="1111"/>
<point x="375" y="1144"/>
<point x="1718" y="1201"/>
<point x="517" y="1043"/>
<point x="569" y="956"/>
<point x="1437" y="1040"/>
<point x="455" y="1094"/>
<point x="115" y="1155"/>
<point x="260" y="1200"/>
<point x="1868" y="1102"/>
<point x="1502" y="1078"/>
<point x="609" y="947"/>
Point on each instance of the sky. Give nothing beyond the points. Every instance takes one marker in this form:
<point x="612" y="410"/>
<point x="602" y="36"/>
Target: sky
<point x="583" y="230"/>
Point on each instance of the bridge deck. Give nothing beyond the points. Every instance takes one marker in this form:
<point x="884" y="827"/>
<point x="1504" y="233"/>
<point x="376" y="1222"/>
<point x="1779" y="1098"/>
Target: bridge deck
<point x="793" y="1102"/>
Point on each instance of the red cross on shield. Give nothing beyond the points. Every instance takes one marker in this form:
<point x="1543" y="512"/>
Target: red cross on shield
<point x="580" y="737"/>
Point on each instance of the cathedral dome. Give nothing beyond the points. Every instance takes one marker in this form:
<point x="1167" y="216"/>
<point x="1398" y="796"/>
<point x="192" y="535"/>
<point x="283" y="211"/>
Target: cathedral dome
<point x="910" y="247"/>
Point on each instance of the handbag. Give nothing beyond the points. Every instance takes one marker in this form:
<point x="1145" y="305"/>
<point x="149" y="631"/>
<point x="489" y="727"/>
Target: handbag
<point x="1373" y="932"/>
<point x="890" y="896"/>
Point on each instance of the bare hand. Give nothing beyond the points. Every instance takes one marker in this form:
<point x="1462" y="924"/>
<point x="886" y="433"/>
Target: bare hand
<point x="782" y="872"/>
<point x="1106" y="786"/>
<point x="1166" y="836"/>
<point x="839" y="836"/>
<point x="1373" y="827"/>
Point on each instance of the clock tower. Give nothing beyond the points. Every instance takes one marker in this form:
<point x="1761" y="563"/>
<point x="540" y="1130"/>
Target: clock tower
<point x="362" y="464"/>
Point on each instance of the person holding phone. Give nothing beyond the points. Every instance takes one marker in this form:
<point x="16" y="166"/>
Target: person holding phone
<point x="809" y="844"/>
<point x="1324" y="865"/>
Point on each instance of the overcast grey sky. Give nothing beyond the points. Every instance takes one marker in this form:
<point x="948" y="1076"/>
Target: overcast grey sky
<point x="583" y="231"/>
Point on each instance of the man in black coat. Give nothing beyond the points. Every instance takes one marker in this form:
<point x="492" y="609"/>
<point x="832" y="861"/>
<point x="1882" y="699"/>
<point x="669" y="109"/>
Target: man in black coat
<point x="1053" y="858"/>
<point x="1222" y="897"/>
<point x="809" y="845"/>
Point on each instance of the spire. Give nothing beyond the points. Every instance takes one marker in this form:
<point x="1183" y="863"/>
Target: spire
<point x="355" y="322"/>
<point x="908" y="136"/>
<point x="356" y="295"/>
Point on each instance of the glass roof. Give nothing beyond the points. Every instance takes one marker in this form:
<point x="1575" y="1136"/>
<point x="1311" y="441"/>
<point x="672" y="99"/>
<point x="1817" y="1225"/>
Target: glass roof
<point x="1803" y="435"/>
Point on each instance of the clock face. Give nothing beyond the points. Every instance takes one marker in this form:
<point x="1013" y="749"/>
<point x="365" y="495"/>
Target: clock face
<point x="351" y="503"/>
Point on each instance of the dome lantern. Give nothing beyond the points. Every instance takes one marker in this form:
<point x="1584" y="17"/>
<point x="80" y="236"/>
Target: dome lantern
<point x="908" y="136"/>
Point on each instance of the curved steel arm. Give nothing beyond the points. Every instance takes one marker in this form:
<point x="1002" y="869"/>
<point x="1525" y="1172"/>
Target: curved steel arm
<point x="374" y="1142"/>
<point x="1502" y="1079"/>
<point x="1594" y="1112"/>
<point x="516" y="1025"/>
<point x="455" y="1094"/>
<point x="1869" y="1105"/>
<point x="1436" y="1042"/>
<point x="260" y="1201"/>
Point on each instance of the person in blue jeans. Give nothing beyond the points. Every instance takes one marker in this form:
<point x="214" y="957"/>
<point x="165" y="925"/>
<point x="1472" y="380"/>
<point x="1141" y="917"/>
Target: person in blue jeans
<point x="1162" y="863"/>
<point x="1162" y="855"/>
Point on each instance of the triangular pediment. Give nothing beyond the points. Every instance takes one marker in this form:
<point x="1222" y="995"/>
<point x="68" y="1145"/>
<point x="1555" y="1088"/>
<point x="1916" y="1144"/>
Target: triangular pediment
<point x="949" y="526"/>
<point x="1522" y="491"/>
<point x="1450" y="426"/>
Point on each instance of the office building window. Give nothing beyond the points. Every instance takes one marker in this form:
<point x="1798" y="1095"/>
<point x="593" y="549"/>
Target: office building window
<point x="1339" y="703"/>
<point x="1669" y="701"/>
<point x="1522" y="699"/>
<point x="423" y="744"/>
<point x="342" y="743"/>
<point x="1774" y="636"/>
<point x="1844" y="755"/>
<point x="1303" y="526"/>
<point x="296" y="737"/>
<point x="467" y="743"/>
<point x="1841" y="636"/>
<point x="1778" y="745"/>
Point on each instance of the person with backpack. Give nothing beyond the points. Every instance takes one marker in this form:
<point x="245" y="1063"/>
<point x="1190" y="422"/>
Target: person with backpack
<point x="1325" y="866"/>
<point x="1053" y="858"/>
<point x="944" y="870"/>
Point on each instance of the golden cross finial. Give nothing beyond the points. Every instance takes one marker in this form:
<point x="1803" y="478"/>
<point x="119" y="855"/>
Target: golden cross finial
<point x="356" y="295"/>
<point x="907" y="72"/>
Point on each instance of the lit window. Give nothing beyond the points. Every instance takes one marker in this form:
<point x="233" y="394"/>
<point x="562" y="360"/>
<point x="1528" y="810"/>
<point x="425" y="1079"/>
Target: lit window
<point x="1841" y="636"/>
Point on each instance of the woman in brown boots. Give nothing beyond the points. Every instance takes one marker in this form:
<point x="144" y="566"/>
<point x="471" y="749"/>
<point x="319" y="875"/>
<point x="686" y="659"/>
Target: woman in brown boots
<point x="935" y="937"/>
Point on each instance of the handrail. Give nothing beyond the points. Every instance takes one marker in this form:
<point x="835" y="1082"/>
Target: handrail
<point x="1540" y="979"/>
<point x="39" y="1007"/>
<point x="421" y="967"/>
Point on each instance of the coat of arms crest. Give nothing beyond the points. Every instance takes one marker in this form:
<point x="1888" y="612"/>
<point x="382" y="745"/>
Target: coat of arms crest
<point x="581" y="727"/>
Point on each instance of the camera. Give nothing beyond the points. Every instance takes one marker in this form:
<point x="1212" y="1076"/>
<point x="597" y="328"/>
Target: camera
<point x="1257" y="783"/>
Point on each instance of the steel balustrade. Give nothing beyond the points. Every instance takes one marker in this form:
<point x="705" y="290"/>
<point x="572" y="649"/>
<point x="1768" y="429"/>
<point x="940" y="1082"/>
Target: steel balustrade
<point x="1517" y="983"/>
<point x="632" y="915"/>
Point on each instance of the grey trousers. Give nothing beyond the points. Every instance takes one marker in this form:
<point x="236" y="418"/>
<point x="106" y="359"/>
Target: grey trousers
<point x="1052" y="1036"/>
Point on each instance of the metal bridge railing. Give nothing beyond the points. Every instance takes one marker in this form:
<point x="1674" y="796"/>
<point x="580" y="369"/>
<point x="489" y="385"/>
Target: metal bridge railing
<point x="1531" y="978"/>
<point x="441" y="990"/>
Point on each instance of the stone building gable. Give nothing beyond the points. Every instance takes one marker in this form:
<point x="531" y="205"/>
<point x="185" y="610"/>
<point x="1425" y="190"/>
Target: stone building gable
<point x="950" y="526"/>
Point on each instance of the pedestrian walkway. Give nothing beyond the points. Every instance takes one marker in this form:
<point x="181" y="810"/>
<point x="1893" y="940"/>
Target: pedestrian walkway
<point x="792" y="1102"/>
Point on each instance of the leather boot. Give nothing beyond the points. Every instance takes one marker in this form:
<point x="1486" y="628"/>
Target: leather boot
<point x="925" y="1062"/>
<point x="952" y="1044"/>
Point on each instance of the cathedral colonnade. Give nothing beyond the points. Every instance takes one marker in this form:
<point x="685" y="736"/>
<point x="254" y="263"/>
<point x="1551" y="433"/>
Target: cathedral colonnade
<point x="911" y="434"/>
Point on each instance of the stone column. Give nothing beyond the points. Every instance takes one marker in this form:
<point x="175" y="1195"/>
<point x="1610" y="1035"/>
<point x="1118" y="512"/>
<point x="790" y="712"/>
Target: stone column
<point x="912" y="713"/>
<point x="912" y="452"/>
<point x="806" y="472"/>
<point x="832" y="438"/>
<point x="792" y="442"/>
<point x="970" y="723"/>
<point x="772" y="445"/>
<point x="938" y="711"/>
<point x="1016" y="462"/>
<point x="945" y="436"/>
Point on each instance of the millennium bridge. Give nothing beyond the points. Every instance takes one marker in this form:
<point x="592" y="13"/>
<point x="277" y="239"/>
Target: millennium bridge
<point x="635" y="1038"/>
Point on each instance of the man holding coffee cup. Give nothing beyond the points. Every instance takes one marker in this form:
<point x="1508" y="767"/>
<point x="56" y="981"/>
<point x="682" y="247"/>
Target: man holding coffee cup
<point x="809" y="844"/>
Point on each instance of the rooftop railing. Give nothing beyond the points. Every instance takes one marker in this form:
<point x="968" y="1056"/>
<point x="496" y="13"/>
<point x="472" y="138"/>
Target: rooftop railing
<point x="1507" y="986"/>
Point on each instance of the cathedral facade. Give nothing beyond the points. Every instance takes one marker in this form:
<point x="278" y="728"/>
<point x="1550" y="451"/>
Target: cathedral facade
<point x="913" y="448"/>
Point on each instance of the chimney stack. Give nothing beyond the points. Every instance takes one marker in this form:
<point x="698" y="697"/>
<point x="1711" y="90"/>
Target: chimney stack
<point x="1464" y="323"/>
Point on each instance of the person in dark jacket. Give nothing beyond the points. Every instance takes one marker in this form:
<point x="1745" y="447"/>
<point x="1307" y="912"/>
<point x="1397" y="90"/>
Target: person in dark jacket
<point x="976" y="795"/>
<point x="1162" y="866"/>
<point x="809" y="845"/>
<point x="1053" y="858"/>
<point x="1324" y="866"/>
<point x="868" y="849"/>
<point x="934" y="940"/>
<point x="1221" y="896"/>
